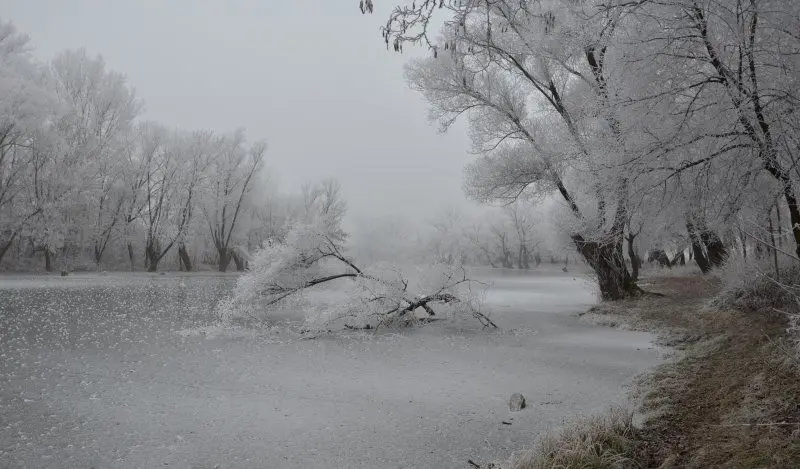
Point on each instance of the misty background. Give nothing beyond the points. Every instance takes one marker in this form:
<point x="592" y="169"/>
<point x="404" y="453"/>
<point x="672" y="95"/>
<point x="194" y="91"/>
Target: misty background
<point x="313" y="78"/>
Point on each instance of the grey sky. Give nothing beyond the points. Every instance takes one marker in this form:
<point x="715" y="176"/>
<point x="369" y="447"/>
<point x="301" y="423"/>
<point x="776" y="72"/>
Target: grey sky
<point x="311" y="77"/>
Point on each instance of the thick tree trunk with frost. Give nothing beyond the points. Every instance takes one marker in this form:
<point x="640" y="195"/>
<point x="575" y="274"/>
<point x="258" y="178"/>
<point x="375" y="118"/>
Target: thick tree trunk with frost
<point x="605" y="258"/>
<point x="697" y="248"/>
<point x="608" y="263"/>
<point x="717" y="252"/>
<point x="660" y="256"/>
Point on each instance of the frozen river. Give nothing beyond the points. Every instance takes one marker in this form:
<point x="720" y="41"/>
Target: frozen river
<point x="94" y="372"/>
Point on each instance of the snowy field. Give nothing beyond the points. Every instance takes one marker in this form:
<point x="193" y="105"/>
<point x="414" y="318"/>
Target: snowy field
<point x="109" y="371"/>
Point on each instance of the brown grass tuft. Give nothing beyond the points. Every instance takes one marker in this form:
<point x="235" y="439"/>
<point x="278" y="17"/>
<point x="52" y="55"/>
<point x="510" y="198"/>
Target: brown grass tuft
<point x="606" y="441"/>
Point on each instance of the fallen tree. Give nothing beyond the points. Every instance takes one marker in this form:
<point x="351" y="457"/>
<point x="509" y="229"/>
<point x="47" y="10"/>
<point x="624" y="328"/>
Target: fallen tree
<point x="296" y="274"/>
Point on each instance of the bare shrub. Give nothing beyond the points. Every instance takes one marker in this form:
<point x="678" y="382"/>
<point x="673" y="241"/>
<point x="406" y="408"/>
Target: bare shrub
<point x="758" y="286"/>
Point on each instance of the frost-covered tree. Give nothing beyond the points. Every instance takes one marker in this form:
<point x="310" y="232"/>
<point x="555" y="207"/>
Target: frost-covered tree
<point x="533" y="80"/>
<point x="99" y="109"/>
<point x="523" y="224"/>
<point x="81" y="177"/>
<point x="446" y="242"/>
<point x="322" y="202"/>
<point x="676" y="114"/>
<point x="311" y="257"/>
<point x="730" y="72"/>
<point x="227" y="191"/>
<point x="175" y="165"/>
<point x="26" y="105"/>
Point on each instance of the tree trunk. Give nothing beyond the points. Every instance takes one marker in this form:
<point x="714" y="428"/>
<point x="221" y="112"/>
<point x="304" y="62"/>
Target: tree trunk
<point x="48" y="260"/>
<point x="779" y="223"/>
<point x="237" y="259"/>
<point x="224" y="255"/>
<point x="680" y="258"/>
<point x="488" y="256"/>
<point x="660" y="256"/>
<point x="697" y="248"/>
<point x="4" y="248"/>
<point x="743" y="240"/>
<point x="130" y="255"/>
<point x="152" y="256"/>
<point x="522" y="262"/>
<point x="186" y="261"/>
<point x="98" y="256"/>
<point x="634" y="258"/>
<point x="759" y="251"/>
<point x="794" y="210"/>
<point x="606" y="260"/>
<point x="773" y="248"/>
<point x="717" y="252"/>
<point x="506" y="260"/>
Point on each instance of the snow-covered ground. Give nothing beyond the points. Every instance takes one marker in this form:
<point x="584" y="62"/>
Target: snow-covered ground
<point x="105" y="371"/>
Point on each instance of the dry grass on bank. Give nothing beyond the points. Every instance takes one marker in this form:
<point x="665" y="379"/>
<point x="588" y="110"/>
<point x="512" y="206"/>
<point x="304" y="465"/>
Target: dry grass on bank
<point x="730" y="398"/>
<point x="606" y="441"/>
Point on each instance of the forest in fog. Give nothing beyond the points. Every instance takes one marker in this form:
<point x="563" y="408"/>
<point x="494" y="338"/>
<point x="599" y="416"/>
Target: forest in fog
<point x="614" y="132"/>
<point x="671" y="124"/>
<point x="448" y="234"/>
<point x="87" y="184"/>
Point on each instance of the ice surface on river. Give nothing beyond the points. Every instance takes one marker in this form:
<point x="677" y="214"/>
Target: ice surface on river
<point x="130" y="370"/>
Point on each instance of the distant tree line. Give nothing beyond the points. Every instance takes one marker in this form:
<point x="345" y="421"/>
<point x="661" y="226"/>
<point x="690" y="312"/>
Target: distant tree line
<point x="85" y="183"/>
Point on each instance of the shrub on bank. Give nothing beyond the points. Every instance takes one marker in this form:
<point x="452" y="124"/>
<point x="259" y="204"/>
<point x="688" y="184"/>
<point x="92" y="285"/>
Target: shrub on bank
<point x="606" y="441"/>
<point x="758" y="286"/>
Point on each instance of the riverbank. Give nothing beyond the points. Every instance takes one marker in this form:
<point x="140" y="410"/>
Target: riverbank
<point x="729" y="397"/>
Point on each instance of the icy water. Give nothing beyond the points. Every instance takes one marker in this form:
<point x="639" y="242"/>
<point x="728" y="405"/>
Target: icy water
<point x="98" y="371"/>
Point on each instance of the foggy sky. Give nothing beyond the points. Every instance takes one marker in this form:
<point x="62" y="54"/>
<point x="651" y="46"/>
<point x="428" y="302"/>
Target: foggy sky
<point x="311" y="77"/>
